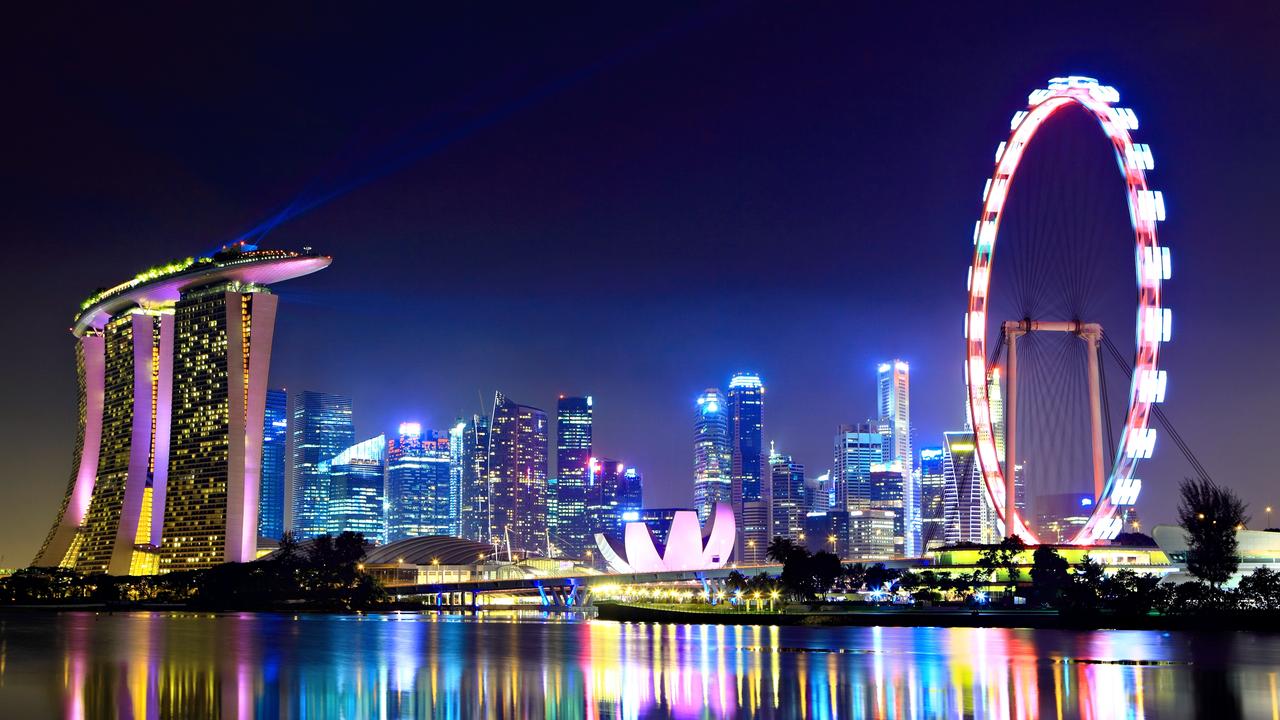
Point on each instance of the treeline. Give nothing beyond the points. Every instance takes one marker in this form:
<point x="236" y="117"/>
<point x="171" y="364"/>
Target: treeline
<point x="326" y="575"/>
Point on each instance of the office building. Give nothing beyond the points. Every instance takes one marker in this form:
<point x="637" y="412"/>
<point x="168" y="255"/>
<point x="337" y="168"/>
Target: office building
<point x="419" y="484"/>
<point x="322" y="428"/>
<point x="965" y="508"/>
<point x="572" y="532"/>
<point x="275" y="442"/>
<point x="356" y="482"/>
<point x="790" y="497"/>
<point x="712" y="458"/>
<point x="1059" y="516"/>
<point x="746" y="457"/>
<point x="518" y="479"/>
<point x="829" y="531"/>
<point x="615" y="493"/>
<point x="893" y="403"/>
<point x="857" y="448"/>
<point x="889" y="490"/>
<point x="933" y="521"/>
<point x="474" y="492"/>
<point x="872" y="534"/>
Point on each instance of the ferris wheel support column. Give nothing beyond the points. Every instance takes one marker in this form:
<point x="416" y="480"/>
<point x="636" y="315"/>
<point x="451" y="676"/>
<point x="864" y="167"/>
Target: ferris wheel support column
<point x="1091" y="333"/>
<point x="1012" y="331"/>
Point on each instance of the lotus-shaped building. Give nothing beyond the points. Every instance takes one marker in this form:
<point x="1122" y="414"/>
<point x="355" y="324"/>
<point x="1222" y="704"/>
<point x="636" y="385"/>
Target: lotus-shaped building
<point x="688" y="546"/>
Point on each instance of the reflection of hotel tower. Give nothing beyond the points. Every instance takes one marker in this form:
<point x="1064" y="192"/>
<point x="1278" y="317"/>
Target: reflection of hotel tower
<point x="172" y="368"/>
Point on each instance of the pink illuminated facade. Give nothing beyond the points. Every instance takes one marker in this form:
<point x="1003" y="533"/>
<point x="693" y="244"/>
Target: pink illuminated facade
<point x="688" y="547"/>
<point x="172" y="369"/>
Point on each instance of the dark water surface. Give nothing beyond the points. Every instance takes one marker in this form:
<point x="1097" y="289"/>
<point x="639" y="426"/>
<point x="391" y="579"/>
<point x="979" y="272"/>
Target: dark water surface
<point x="180" y="665"/>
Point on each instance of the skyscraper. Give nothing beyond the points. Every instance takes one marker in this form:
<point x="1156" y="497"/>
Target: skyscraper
<point x="893" y="403"/>
<point x="888" y="491"/>
<point x="474" y="493"/>
<point x="573" y="453"/>
<point x="172" y="367"/>
<point x="275" y="439"/>
<point x="322" y="428"/>
<point x="457" y="475"/>
<point x="857" y="448"/>
<point x="790" y="504"/>
<point x="712" y="458"/>
<point x="964" y="499"/>
<point x="518" y="477"/>
<point x="418" y="484"/>
<point x="124" y="493"/>
<point x="746" y="448"/>
<point x="356" y="481"/>
<point x="933" y="492"/>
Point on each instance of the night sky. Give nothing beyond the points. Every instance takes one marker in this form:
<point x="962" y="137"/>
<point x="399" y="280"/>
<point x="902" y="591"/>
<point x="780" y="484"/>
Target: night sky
<point x="631" y="205"/>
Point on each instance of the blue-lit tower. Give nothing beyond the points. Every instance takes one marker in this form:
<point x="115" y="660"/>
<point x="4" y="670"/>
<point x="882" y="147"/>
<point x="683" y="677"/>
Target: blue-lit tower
<point x="322" y="428"/>
<point x="712" y="459"/>
<point x="275" y="439"/>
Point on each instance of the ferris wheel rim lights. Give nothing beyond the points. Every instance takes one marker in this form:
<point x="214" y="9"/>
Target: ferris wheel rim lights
<point x="1154" y="322"/>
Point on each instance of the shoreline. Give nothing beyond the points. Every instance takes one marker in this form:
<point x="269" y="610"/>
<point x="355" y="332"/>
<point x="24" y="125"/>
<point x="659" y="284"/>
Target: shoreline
<point x="959" y="617"/>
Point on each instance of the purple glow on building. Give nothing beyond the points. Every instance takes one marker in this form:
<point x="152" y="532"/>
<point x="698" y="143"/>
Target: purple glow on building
<point x="686" y="548"/>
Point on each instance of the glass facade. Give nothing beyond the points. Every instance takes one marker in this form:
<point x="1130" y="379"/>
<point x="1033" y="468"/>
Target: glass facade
<point x="746" y="448"/>
<point x="789" y="502"/>
<point x="712" y="458"/>
<point x="474" y="492"/>
<point x="275" y="439"/>
<point x="355" y="490"/>
<point x="419" y="484"/>
<point x="964" y="501"/>
<point x="518" y="478"/>
<point x="573" y="454"/>
<point x="858" y="447"/>
<point x="933" y="484"/>
<point x="322" y="428"/>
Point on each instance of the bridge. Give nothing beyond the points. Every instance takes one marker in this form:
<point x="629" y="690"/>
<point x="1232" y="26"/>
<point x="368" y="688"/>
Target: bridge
<point x="567" y="591"/>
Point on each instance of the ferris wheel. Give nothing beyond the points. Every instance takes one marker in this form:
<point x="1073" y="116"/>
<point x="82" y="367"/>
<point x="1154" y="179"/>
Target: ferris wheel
<point x="995" y="417"/>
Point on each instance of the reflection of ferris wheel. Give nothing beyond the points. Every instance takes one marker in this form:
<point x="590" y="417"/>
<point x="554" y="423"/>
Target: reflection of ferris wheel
<point x="1114" y="490"/>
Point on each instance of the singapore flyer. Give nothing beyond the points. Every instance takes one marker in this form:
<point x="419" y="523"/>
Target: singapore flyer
<point x="994" y="383"/>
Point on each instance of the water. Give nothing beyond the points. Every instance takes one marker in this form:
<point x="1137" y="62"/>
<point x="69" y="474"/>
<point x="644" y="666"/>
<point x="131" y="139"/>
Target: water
<point x="179" y="665"/>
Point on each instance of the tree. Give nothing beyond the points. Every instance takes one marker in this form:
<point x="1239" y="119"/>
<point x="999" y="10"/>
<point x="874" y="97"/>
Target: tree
<point x="1050" y="576"/>
<point x="1260" y="590"/>
<point x="1210" y="515"/>
<point x="782" y="548"/>
<point x="1003" y="556"/>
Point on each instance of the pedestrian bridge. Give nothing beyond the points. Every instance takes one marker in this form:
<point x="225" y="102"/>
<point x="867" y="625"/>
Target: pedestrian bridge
<point x="565" y="590"/>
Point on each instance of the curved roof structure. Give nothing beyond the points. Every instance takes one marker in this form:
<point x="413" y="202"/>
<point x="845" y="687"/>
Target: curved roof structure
<point x="422" y="550"/>
<point x="162" y="285"/>
<point x="687" y="548"/>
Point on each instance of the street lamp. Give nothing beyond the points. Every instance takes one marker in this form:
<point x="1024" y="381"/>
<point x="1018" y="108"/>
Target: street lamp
<point x="435" y="562"/>
<point x="751" y="545"/>
<point x="832" y="539"/>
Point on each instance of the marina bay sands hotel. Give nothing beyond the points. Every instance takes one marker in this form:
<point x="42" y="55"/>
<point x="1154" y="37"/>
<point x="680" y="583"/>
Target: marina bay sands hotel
<point x="172" y="369"/>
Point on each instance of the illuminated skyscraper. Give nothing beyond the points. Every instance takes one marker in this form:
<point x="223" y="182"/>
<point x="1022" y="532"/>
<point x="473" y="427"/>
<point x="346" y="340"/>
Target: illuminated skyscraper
<point x="573" y="454"/>
<point x="474" y="493"/>
<point x="888" y="492"/>
<point x="275" y="439"/>
<point x="172" y="367"/>
<point x="964" y="499"/>
<point x="124" y="493"/>
<point x="712" y="459"/>
<point x="893" y="403"/>
<point x="857" y="448"/>
<point x="746" y="448"/>
<point x="790" y="504"/>
<point x="356" y="481"/>
<point x="933" y="490"/>
<point x="518" y="478"/>
<point x="457" y="475"/>
<point x="615" y="492"/>
<point x="322" y="428"/>
<point x="419" y="481"/>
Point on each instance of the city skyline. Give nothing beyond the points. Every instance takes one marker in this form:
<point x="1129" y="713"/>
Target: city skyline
<point x="683" y="242"/>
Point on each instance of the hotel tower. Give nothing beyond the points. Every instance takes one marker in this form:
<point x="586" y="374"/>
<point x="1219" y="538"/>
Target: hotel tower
<point x="172" y="369"/>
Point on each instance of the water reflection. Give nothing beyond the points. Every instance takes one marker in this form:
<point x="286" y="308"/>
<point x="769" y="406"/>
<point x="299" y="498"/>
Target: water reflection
<point x="161" y="665"/>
